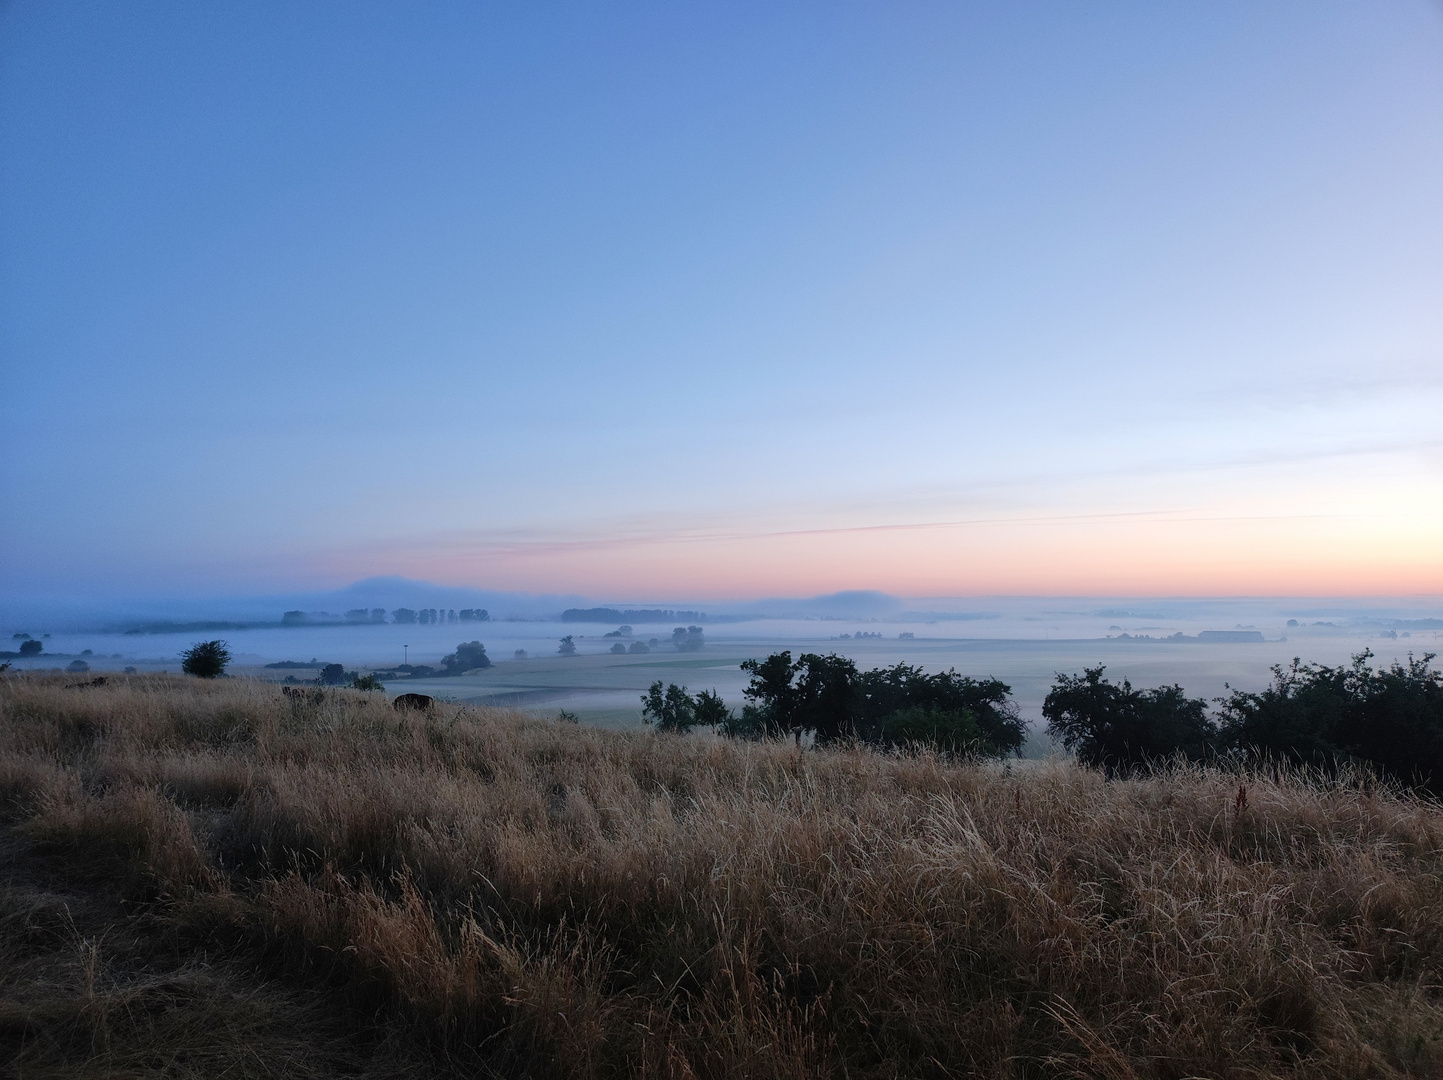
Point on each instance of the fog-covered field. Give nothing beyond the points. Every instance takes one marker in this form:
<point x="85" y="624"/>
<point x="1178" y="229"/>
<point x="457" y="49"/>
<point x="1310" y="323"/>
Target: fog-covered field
<point x="1022" y="642"/>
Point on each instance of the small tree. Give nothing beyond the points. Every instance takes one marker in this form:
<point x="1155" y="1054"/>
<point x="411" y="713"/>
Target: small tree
<point x="710" y="710"/>
<point x="332" y="675"/>
<point x="672" y="709"/>
<point x="205" y="659"/>
<point x="31" y="648"/>
<point x="366" y="682"/>
<point x="567" y="647"/>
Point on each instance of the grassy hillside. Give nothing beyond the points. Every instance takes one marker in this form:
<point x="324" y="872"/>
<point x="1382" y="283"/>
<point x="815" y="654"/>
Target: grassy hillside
<point x="203" y="879"/>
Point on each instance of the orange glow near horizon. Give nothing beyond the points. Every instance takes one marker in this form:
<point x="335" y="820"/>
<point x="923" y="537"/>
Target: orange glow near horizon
<point x="1321" y="555"/>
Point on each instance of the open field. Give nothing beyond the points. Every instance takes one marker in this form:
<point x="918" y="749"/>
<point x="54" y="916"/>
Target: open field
<point x="202" y="879"/>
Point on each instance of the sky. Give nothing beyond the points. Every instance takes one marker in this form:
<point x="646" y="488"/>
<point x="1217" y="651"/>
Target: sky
<point x="677" y="300"/>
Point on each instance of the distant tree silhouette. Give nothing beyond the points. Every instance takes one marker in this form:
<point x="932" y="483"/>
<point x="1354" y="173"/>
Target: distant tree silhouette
<point x="468" y="655"/>
<point x="567" y="646"/>
<point x="31" y="648"/>
<point x="687" y="638"/>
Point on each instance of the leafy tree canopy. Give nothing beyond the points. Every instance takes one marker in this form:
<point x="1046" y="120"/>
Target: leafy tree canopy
<point x="1116" y="727"/>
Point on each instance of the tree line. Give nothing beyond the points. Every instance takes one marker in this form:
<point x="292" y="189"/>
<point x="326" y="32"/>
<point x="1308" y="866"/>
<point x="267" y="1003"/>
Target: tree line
<point x="1386" y="719"/>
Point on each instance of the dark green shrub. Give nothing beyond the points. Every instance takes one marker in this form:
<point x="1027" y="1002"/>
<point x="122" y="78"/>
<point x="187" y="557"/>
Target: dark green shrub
<point x="1117" y="727"/>
<point x="1389" y="718"/>
<point x="205" y="659"/>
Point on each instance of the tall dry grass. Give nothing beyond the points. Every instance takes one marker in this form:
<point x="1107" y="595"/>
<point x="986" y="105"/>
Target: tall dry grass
<point x="478" y="893"/>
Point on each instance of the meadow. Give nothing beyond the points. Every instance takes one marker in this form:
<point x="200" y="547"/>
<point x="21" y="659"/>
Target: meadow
<point x="203" y="878"/>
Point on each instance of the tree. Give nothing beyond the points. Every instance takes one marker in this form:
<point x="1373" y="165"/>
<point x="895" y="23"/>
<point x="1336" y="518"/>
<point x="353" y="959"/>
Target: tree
<point x="963" y="714"/>
<point x="567" y="646"/>
<point x="205" y="659"/>
<point x="710" y="710"/>
<point x="619" y="649"/>
<point x="468" y="656"/>
<point x="890" y="707"/>
<point x="332" y="675"/>
<point x="31" y="648"/>
<point x="672" y="709"/>
<point x="771" y="698"/>
<point x="403" y="615"/>
<point x="366" y="682"/>
<point x="1389" y="718"/>
<point x="687" y="638"/>
<point x="1117" y="727"/>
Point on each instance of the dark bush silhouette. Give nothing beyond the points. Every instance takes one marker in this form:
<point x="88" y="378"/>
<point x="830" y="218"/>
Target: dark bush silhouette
<point x="333" y="675"/>
<point x="366" y="682"/>
<point x="1119" y="728"/>
<point x="205" y="659"/>
<point x="468" y="656"/>
<point x="31" y="648"/>
<point x="567" y="647"/>
<point x="902" y="705"/>
<point x="1390" y="718"/>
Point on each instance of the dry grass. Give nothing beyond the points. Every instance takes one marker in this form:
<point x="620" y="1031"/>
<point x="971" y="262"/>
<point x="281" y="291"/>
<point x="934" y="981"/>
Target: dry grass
<point x="204" y="880"/>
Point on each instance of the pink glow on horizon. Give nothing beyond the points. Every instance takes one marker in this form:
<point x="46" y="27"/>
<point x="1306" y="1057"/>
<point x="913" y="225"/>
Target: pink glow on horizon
<point x="1103" y="556"/>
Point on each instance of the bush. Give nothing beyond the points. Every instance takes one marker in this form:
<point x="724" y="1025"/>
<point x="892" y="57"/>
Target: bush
<point x="1389" y="718"/>
<point x="1117" y="727"/>
<point x="956" y="731"/>
<point x="366" y="682"/>
<point x="332" y="675"/>
<point x="828" y="697"/>
<point x="31" y="648"/>
<point x="205" y="659"/>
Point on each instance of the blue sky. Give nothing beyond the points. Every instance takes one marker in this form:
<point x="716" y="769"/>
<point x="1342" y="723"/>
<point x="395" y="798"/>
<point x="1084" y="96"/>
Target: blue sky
<point x="730" y="300"/>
